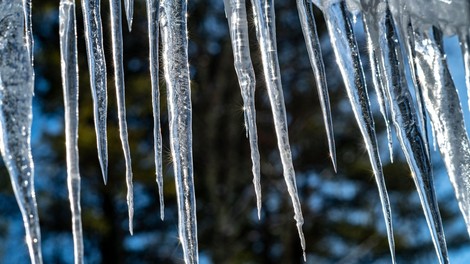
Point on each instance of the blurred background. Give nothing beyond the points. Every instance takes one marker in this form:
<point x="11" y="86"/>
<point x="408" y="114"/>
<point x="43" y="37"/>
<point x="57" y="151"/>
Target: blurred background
<point x="343" y="218"/>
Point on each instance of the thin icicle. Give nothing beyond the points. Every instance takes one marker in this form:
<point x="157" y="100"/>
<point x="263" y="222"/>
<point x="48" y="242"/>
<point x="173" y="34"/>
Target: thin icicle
<point x="373" y="13"/>
<point x="443" y="105"/>
<point x="406" y="122"/>
<point x="97" y="67"/>
<point x="348" y="59"/>
<point x="153" y="16"/>
<point x="263" y="11"/>
<point x="129" y="6"/>
<point x="465" y="45"/>
<point x="309" y="29"/>
<point x="175" y="55"/>
<point x="69" y="70"/>
<point x="16" y="94"/>
<point x="116" y="37"/>
<point x="235" y="11"/>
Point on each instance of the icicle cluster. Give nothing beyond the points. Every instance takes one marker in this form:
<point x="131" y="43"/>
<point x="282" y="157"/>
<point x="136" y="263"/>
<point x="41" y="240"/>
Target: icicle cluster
<point x="396" y="30"/>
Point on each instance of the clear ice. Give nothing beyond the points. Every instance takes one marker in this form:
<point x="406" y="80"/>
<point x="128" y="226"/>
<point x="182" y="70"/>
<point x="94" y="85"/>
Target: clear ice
<point x="69" y="71"/>
<point x="309" y="29"/>
<point x="173" y="25"/>
<point x="16" y="94"/>
<point x="153" y="16"/>
<point x="263" y="12"/>
<point x="116" y="37"/>
<point x="348" y="59"/>
<point x="235" y="11"/>
<point x="129" y="7"/>
<point x="97" y="67"/>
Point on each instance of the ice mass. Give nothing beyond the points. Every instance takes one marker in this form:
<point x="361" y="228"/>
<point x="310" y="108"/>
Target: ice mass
<point x="401" y="37"/>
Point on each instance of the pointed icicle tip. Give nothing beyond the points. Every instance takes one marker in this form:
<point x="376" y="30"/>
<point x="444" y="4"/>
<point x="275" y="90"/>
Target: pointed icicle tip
<point x="104" y="171"/>
<point x="129" y="6"/>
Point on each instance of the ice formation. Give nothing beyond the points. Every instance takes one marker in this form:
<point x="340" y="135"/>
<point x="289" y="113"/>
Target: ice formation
<point x="398" y="32"/>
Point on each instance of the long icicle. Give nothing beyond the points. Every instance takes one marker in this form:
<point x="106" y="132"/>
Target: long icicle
<point x="69" y="70"/>
<point x="175" y="55"/>
<point x="16" y="94"/>
<point x="263" y="11"/>
<point x="465" y="46"/>
<point x="27" y="7"/>
<point x="348" y="59"/>
<point x="309" y="29"/>
<point x="97" y="68"/>
<point x="373" y="11"/>
<point x="153" y="17"/>
<point x="235" y="11"/>
<point x="129" y="8"/>
<point x="116" y="38"/>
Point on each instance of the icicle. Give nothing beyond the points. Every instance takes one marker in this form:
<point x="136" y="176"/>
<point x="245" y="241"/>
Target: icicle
<point x="443" y="105"/>
<point x="373" y="11"/>
<point x="175" y="55"/>
<point x="238" y="24"/>
<point x="348" y="59"/>
<point x="465" y="45"/>
<point x="263" y="11"/>
<point x="69" y="70"/>
<point x="97" y="66"/>
<point x="16" y="94"/>
<point x="129" y="6"/>
<point x="153" y="16"/>
<point x="309" y="29"/>
<point x="409" y="135"/>
<point x="116" y="37"/>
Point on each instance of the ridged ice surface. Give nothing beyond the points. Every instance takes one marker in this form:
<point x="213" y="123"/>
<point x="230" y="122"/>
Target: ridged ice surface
<point x="69" y="71"/>
<point x="263" y="12"/>
<point x="176" y="67"/>
<point x="16" y="94"/>
<point x="309" y="29"/>
<point x="348" y="59"/>
<point x="116" y="37"/>
<point x="235" y="11"/>
<point x="443" y="105"/>
<point x="97" y="68"/>
<point x="153" y="16"/>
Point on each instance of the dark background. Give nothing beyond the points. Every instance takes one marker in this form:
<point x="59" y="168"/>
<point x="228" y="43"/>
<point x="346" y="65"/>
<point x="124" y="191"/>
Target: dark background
<point x="343" y="219"/>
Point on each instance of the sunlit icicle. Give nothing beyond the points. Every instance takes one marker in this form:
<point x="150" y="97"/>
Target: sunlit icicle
<point x="69" y="71"/>
<point x="97" y="68"/>
<point x="309" y="29"/>
<point x="263" y="11"/>
<point x="443" y="105"/>
<point x="153" y="16"/>
<point x="465" y="45"/>
<point x="129" y="7"/>
<point x="16" y="94"/>
<point x="372" y="13"/>
<point x="348" y="59"/>
<point x="116" y="38"/>
<point x="175" y="55"/>
<point x="405" y="119"/>
<point x="235" y="11"/>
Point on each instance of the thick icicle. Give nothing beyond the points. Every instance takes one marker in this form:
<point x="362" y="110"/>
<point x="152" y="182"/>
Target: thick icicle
<point x="373" y="11"/>
<point x="309" y="29"/>
<point x="16" y="94"/>
<point x="175" y="55"/>
<point x="235" y="11"/>
<point x="266" y="31"/>
<point x="97" y="68"/>
<point x="116" y="37"/>
<point x="153" y="16"/>
<point x="348" y="59"/>
<point x="406" y="123"/>
<point x="129" y="6"/>
<point x="465" y="45"/>
<point x="69" y="70"/>
<point x="443" y="105"/>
